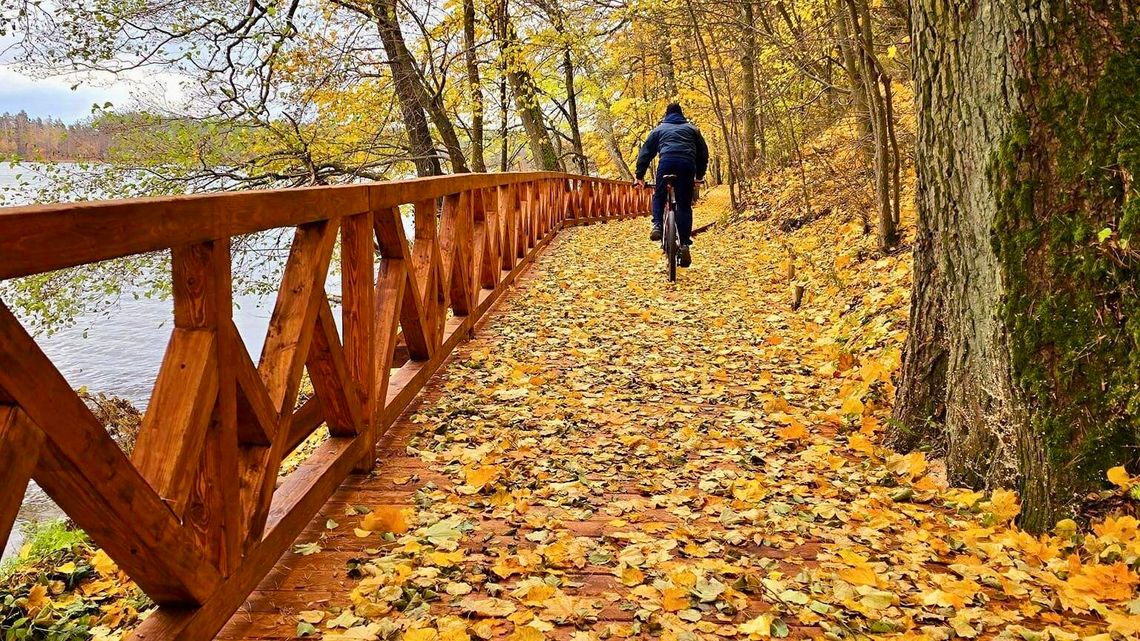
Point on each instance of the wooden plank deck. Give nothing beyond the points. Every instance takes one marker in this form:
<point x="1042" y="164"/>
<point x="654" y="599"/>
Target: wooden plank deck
<point x="324" y="581"/>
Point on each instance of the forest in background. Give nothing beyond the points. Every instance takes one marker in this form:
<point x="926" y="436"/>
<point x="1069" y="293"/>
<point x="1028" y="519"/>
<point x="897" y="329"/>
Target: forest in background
<point x="39" y="139"/>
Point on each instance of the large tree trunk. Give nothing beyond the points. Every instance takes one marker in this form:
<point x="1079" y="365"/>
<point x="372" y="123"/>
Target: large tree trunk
<point x="474" y="85"/>
<point x="1025" y="314"/>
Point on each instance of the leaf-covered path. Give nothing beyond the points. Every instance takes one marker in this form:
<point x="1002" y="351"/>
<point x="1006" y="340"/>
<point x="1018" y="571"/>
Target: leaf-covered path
<point x="615" y="456"/>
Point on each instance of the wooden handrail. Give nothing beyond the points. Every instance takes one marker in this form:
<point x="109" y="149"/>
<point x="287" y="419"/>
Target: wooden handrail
<point x="195" y="516"/>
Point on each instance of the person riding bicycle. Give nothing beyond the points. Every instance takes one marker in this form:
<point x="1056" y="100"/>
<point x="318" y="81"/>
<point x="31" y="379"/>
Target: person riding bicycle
<point x="684" y="154"/>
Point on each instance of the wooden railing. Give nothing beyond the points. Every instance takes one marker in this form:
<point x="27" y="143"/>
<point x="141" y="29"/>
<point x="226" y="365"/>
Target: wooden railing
<point x="197" y="515"/>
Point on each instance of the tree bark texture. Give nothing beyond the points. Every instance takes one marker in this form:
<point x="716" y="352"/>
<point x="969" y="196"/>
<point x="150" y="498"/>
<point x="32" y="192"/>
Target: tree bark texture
<point x="1024" y="351"/>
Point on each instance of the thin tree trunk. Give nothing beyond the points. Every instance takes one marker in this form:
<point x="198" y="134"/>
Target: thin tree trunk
<point x="572" y="105"/>
<point x="556" y="17"/>
<point x="665" y="49"/>
<point x="748" y="74"/>
<point x="702" y="53"/>
<point x="872" y="74"/>
<point x="474" y="86"/>
<point x="504" y="104"/>
<point x="847" y="48"/>
<point x="604" y="121"/>
<point x="526" y="98"/>
<point x="403" y="64"/>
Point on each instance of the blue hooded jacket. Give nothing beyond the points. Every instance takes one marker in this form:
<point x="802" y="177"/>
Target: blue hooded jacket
<point x="675" y="137"/>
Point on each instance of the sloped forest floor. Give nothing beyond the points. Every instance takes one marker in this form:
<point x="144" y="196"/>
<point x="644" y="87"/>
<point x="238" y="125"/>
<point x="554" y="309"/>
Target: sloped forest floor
<point x="615" y="456"/>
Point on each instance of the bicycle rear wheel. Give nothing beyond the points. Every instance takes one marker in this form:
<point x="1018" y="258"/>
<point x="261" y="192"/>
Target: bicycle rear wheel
<point x="671" y="244"/>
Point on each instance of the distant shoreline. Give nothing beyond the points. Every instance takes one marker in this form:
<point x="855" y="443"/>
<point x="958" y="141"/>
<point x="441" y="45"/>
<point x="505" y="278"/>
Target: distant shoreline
<point x="45" y="161"/>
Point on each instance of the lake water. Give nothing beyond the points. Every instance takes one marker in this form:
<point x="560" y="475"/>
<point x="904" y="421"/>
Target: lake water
<point x="119" y="353"/>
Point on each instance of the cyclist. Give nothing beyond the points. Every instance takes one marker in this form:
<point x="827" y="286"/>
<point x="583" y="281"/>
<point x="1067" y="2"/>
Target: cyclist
<point x="685" y="155"/>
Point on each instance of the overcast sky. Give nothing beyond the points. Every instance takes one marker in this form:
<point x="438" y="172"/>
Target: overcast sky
<point x="53" y="97"/>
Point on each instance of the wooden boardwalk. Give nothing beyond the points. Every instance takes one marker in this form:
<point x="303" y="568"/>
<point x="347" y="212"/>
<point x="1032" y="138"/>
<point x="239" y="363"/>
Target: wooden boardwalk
<point x="599" y="589"/>
<point x="199" y="513"/>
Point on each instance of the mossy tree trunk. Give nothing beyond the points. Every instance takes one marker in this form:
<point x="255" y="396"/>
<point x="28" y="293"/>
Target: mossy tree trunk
<point x="1023" y="360"/>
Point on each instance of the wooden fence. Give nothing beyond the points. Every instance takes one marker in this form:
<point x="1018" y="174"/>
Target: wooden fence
<point x="197" y="515"/>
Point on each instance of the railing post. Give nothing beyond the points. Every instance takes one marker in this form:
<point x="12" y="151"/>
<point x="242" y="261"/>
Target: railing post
<point x="358" y="312"/>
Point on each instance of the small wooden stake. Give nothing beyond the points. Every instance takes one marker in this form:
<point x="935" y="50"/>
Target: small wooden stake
<point x="797" y="296"/>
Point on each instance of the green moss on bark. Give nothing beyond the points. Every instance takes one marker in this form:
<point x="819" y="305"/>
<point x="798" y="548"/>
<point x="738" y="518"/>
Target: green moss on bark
<point x="1067" y="236"/>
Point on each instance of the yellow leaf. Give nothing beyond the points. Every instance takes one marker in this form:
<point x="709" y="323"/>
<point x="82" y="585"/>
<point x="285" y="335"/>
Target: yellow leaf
<point x="675" y="599"/>
<point x="103" y="563"/>
<point x="490" y="607"/>
<point x="860" y="443"/>
<point x="454" y="634"/>
<point x="632" y="576"/>
<point x="388" y="518"/>
<point x="561" y="608"/>
<point x="526" y="633"/>
<point x="483" y="630"/>
<point x="862" y="574"/>
<point x="963" y="498"/>
<point x="481" y="476"/>
<point x="311" y="616"/>
<point x="66" y="568"/>
<point x="538" y="593"/>
<point x="911" y="465"/>
<point x="1003" y="504"/>
<point x="760" y="627"/>
<point x="1120" y="477"/>
<point x="506" y="566"/>
<point x="420" y="634"/>
<point x="852" y="405"/>
<point x="793" y="432"/>
<point x="1123" y="624"/>
<point x="37" y="596"/>
<point x="943" y="599"/>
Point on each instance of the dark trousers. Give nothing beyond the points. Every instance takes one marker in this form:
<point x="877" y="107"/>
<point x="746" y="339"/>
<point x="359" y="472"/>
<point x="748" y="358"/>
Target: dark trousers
<point x="685" y="171"/>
